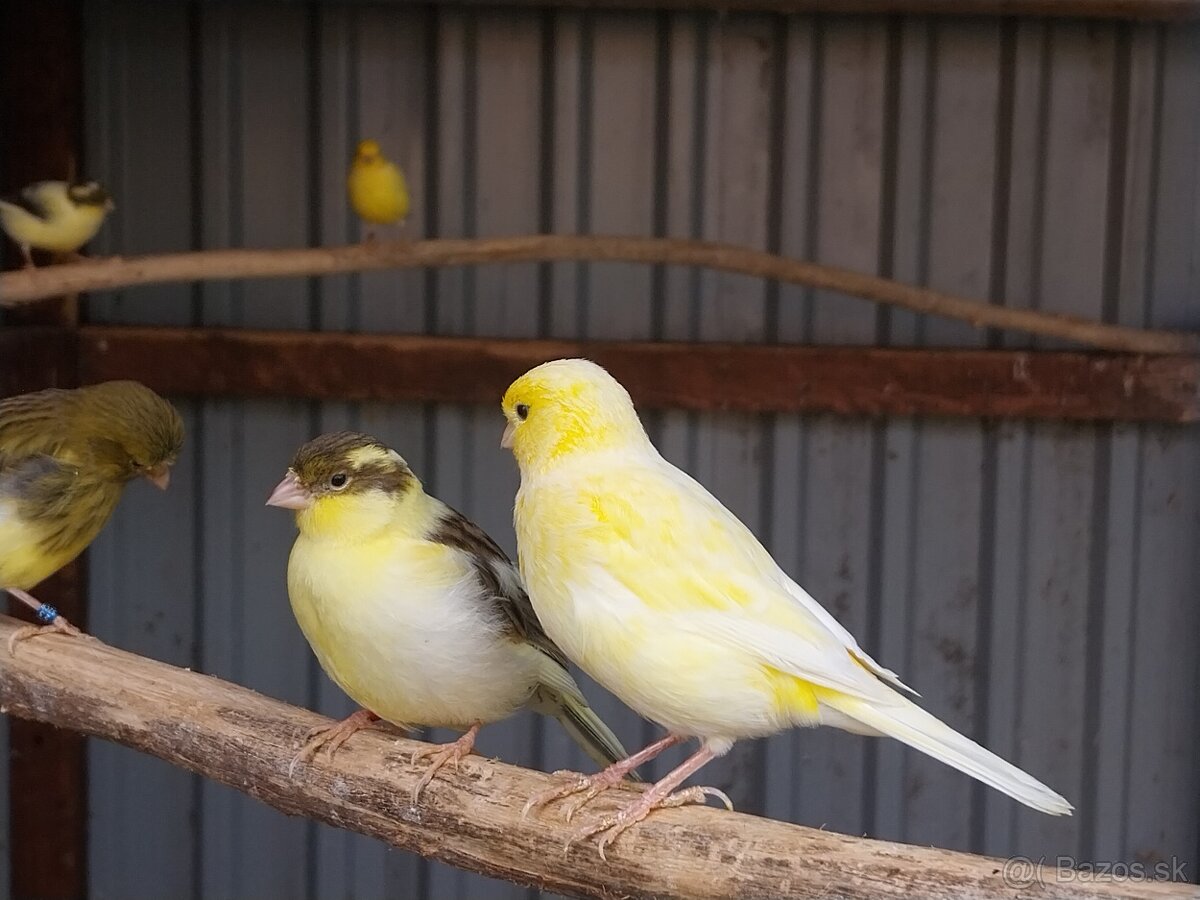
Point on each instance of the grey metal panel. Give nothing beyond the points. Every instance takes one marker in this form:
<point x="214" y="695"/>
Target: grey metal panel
<point x="1104" y="807"/>
<point x="253" y="82"/>
<point x="1164" y="726"/>
<point x="1046" y="473"/>
<point x="1032" y="581"/>
<point x="143" y="562"/>
<point x="934" y="483"/>
<point x="830" y="477"/>
<point x="372" y="63"/>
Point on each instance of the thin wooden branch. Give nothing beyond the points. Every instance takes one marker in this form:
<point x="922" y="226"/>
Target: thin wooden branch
<point x="25" y="286"/>
<point x="472" y="818"/>
<point x="747" y="378"/>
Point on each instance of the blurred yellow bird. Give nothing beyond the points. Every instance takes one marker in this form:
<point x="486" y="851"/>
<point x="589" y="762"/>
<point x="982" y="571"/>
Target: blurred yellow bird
<point x="377" y="189"/>
<point x="664" y="597"/>
<point x="54" y="215"/>
<point x="65" y="457"/>
<point x="413" y="610"/>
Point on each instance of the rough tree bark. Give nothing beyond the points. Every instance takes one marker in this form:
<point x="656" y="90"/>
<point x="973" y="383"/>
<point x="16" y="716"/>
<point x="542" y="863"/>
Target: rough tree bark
<point x="472" y="818"/>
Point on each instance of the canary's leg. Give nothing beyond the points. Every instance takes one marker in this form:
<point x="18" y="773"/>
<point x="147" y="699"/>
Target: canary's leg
<point x="330" y="737"/>
<point x="443" y="754"/>
<point x="659" y="796"/>
<point x="369" y="236"/>
<point x="593" y="785"/>
<point x="54" y="623"/>
<point x="27" y="255"/>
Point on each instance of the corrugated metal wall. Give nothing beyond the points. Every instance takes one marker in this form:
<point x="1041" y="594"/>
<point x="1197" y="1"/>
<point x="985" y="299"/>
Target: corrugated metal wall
<point x="1038" y="583"/>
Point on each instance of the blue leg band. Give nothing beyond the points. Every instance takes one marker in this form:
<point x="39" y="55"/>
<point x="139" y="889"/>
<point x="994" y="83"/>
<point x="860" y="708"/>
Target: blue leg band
<point x="46" y="613"/>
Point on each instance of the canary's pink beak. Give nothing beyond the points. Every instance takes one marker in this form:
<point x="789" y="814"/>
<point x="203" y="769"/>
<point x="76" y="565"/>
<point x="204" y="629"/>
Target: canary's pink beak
<point x="506" y="439"/>
<point x="160" y="476"/>
<point x="290" y="494"/>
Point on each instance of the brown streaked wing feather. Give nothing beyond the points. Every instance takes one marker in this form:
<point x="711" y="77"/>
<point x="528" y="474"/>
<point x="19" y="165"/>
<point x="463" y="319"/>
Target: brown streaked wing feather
<point x="32" y="424"/>
<point x="501" y="578"/>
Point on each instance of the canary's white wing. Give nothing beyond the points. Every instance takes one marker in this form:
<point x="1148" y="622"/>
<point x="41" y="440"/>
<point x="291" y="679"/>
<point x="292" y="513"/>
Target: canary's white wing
<point x="50" y="197"/>
<point x="37" y="204"/>
<point x="765" y="564"/>
<point x="761" y="563"/>
<point x="673" y="546"/>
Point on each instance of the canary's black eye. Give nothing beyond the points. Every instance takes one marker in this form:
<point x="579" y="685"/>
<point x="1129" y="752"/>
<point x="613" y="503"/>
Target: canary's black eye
<point x="522" y="411"/>
<point x="338" y="480"/>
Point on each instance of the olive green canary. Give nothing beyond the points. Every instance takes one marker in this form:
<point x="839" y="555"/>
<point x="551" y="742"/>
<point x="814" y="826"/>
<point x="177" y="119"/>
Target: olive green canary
<point x="65" y="457"/>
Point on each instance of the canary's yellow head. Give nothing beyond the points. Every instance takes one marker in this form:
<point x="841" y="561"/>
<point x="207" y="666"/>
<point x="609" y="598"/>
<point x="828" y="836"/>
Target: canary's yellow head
<point x="368" y="152"/>
<point x="345" y="483"/>
<point x="127" y="429"/>
<point x="564" y="408"/>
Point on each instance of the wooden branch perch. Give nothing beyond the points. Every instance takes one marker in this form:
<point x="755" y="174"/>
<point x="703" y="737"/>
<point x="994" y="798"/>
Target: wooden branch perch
<point x="472" y="818"/>
<point x="28" y="285"/>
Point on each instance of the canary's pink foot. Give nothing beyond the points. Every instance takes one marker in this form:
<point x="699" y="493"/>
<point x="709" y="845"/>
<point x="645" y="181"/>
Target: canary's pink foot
<point x="591" y="786"/>
<point x="660" y="796"/>
<point x="330" y="737"/>
<point x="443" y="754"/>
<point x="54" y="623"/>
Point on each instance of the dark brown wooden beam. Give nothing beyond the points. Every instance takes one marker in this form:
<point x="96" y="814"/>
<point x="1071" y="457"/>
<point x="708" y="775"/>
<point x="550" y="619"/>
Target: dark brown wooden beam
<point x="1158" y="10"/>
<point x="753" y="378"/>
<point x="41" y="126"/>
<point x="31" y="358"/>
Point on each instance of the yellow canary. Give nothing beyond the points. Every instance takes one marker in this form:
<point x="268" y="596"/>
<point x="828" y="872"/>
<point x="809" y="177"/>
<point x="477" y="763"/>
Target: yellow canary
<point x="413" y="610"/>
<point x="65" y="457"/>
<point x="377" y="189"/>
<point x="54" y="216"/>
<point x="664" y="597"/>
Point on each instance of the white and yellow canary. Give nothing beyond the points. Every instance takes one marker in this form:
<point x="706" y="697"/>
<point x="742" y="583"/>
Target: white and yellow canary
<point x="376" y="186"/>
<point x="54" y="216"/>
<point x="664" y="597"/>
<point x="413" y="610"/>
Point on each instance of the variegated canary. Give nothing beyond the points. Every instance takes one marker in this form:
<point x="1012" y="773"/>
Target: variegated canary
<point x="659" y="593"/>
<point x="65" y="457"/>
<point x="55" y="216"/>
<point x="413" y="610"/>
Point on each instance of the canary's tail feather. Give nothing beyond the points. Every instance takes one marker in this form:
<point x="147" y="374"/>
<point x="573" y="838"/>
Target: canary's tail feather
<point x="583" y="725"/>
<point x="912" y="725"/>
